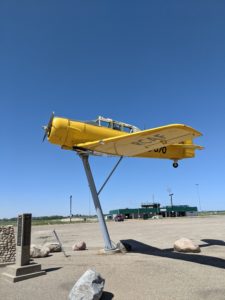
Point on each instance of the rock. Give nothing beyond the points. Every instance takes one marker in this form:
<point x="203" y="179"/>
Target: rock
<point x="88" y="287"/>
<point x="44" y="251"/>
<point x="79" y="246"/>
<point x="53" y="247"/>
<point x="36" y="251"/>
<point x="186" y="245"/>
<point x="123" y="246"/>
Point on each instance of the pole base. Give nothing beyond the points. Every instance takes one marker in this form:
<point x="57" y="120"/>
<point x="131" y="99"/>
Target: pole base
<point x="15" y="273"/>
<point x="109" y="251"/>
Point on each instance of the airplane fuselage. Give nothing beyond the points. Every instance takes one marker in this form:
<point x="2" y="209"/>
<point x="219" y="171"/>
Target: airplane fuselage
<point x="68" y="134"/>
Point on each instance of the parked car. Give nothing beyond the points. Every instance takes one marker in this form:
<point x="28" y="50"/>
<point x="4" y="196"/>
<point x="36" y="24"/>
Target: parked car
<point x="119" y="218"/>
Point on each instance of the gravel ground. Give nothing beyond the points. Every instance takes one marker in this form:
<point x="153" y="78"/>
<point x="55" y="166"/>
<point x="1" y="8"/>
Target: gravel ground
<point x="151" y="271"/>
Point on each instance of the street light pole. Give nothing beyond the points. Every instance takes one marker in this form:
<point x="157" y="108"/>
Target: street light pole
<point x="171" y="202"/>
<point x="171" y="199"/>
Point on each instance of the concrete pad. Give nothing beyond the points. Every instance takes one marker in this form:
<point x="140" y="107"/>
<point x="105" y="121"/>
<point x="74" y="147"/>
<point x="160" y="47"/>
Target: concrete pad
<point x="15" y="273"/>
<point x="109" y="252"/>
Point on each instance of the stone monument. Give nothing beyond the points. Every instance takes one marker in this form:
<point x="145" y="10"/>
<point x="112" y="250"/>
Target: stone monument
<point x="23" y="269"/>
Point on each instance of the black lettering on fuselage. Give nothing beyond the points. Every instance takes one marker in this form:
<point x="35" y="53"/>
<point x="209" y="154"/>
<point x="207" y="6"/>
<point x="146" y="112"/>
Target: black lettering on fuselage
<point x="160" y="150"/>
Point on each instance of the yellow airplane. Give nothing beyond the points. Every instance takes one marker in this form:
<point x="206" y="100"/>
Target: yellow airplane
<point x="105" y="136"/>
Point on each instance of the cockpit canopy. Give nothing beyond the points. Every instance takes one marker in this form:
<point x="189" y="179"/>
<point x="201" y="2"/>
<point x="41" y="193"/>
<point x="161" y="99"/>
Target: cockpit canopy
<point x="116" y="125"/>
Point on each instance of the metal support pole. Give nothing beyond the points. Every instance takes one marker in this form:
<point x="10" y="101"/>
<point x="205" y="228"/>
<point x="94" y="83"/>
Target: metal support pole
<point x="58" y="240"/>
<point x="103" y="227"/>
<point x="107" y="179"/>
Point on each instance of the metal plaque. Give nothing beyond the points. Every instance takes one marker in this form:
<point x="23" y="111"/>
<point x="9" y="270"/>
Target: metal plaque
<point x="27" y="229"/>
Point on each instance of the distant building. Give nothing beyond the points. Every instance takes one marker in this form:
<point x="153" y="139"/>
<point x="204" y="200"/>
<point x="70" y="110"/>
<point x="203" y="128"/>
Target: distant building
<point x="148" y="210"/>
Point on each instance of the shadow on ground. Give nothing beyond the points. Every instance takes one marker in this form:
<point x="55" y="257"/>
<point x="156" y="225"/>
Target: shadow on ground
<point x="212" y="243"/>
<point x="52" y="269"/>
<point x="211" y="261"/>
<point x="107" y="296"/>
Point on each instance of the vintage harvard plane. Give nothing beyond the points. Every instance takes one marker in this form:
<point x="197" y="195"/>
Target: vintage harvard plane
<point x="106" y="136"/>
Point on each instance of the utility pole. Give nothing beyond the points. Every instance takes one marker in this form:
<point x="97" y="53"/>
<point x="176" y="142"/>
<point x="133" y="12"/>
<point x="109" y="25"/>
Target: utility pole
<point x="71" y="199"/>
<point x="171" y="203"/>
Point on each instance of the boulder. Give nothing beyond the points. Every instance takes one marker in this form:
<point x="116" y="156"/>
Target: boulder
<point x="53" y="247"/>
<point x="186" y="245"/>
<point x="79" y="246"/>
<point x="88" y="287"/>
<point x="44" y="251"/>
<point x="36" y="251"/>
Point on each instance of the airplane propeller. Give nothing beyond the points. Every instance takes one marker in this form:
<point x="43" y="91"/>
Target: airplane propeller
<point x="47" y="129"/>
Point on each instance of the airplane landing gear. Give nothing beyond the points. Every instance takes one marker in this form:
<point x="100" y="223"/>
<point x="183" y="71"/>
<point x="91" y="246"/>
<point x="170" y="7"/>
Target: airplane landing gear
<point x="175" y="164"/>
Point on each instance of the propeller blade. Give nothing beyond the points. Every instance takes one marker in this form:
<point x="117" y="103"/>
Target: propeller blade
<point x="44" y="137"/>
<point x="47" y="129"/>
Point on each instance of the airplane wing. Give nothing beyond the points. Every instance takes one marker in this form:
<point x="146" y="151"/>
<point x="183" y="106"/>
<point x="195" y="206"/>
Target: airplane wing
<point x="139" y="142"/>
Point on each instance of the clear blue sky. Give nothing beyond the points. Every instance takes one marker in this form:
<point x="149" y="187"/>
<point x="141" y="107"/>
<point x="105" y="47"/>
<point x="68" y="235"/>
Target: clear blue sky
<point x="148" y="63"/>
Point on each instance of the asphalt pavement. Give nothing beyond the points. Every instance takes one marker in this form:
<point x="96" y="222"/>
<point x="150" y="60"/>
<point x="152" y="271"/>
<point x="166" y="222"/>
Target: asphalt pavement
<point x="152" y="270"/>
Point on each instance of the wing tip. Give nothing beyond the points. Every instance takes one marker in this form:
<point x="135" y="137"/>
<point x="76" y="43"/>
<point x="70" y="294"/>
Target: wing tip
<point x="195" y="131"/>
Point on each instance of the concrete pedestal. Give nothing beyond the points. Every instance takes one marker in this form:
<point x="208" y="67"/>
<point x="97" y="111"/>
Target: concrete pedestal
<point x="109" y="252"/>
<point x="16" y="273"/>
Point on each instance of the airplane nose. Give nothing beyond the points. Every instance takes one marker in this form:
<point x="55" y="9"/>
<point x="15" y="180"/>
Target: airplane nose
<point x="58" y="133"/>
